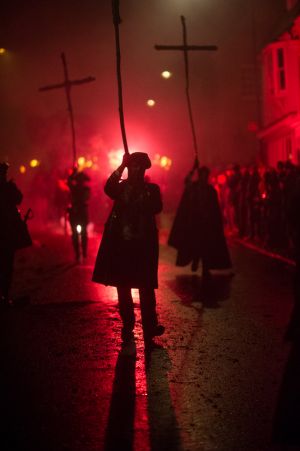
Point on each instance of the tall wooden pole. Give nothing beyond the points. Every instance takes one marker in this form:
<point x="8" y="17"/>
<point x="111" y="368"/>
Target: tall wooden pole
<point x="70" y="108"/>
<point x="117" y="21"/>
<point x="187" y="87"/>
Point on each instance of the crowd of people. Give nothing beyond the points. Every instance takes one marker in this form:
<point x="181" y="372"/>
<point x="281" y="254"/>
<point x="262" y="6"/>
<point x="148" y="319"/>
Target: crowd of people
<point x="257" y="203"/>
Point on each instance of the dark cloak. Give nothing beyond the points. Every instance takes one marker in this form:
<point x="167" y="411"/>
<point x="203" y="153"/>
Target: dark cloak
<point x="10" y="219"/>
<point x="128" y="253"/>
<point x="197" y="231"/>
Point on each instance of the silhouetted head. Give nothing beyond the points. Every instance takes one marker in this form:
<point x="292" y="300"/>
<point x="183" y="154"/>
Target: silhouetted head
<point x="81" y="177"/>
<point x="203" y="174"/>
<point x="139" y="159"/>
<point x="280" y="165"/>
<point x="3" y="169"/>
<point x="137" y="165"/>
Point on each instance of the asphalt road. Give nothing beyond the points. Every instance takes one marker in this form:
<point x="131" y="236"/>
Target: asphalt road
<point x="225" y="377"/>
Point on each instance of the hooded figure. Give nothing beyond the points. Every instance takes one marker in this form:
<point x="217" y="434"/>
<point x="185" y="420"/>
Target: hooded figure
<point x="128" y="253"/>
<point x="197" y="232"/>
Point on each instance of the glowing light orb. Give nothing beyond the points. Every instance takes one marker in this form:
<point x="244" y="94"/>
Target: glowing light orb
<point x="34" y="163"/>
<point x="166" y="74"/>
<point x="151" y="103"/>
<point x="162" y="161"/>
<point x="2" y="51"/>
<point x="22" y="169"/>
<point x="165" y="163"/>
<point x="89" y="164"/>
<point x="81" y="161"/>
<point x="78" y="228"/>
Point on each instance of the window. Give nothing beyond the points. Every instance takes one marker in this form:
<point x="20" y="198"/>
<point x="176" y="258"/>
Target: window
<point x="280" y="69"/>
<point x="270" y="74"/>
<point x="275" y="70"/>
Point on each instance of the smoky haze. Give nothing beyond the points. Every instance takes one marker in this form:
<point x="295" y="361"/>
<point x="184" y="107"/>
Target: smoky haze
<point x="36" y="125"/>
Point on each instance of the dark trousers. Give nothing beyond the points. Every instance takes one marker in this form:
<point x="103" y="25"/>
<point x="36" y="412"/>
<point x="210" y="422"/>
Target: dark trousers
<point x="75" y="239"/>
<point x="6" y="270"/>
<point x="147" y="305"/>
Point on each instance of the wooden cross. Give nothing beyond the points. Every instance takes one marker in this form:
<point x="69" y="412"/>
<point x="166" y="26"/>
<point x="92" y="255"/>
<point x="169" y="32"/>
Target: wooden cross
<point x="67" y="85"/>
<point x="185" y="48"/>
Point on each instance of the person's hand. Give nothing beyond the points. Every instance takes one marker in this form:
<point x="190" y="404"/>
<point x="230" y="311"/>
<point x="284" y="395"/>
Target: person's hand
<point x="125" y="160"/>
<point x="123" y="165"/>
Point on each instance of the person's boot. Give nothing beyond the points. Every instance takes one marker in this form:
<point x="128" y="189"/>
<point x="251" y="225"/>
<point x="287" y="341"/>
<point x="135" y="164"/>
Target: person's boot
<point x="159" y="330"/>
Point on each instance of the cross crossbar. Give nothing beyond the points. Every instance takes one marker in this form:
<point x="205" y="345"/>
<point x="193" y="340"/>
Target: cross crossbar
<point x="185" y="48"/>
<point x="67" y="85"/>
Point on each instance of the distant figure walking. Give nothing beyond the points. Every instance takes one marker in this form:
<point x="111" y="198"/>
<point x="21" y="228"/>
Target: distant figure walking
<point x="10" y="197"/>
<point x="78" y="211"/>
<point x="128" y="254"/>
<point x="197" y="232"/>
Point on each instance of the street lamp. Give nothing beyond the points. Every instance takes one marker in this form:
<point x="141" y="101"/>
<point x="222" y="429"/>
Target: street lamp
<point x="166" y="74"/>
<point x="150" y="102"/>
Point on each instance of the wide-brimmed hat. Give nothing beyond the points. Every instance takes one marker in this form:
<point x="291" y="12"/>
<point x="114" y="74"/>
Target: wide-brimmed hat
<point x="140" y="159"/>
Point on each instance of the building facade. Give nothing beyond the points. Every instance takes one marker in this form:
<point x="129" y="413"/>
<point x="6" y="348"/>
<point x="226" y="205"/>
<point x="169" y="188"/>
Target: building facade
<point x="279" y="135"/>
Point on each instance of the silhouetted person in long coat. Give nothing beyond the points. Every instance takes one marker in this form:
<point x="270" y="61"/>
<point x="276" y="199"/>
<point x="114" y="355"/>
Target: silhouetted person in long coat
<point x="234" y="185"/>
<point x="10" y="197"/>
<point x="128" y="254"/>
<point x="197" y="232"/>
<point x="78" y="211"/>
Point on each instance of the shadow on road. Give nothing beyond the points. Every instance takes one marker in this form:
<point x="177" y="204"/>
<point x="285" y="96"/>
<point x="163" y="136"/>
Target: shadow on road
<point x="286" y="426"/>
<point x="164" y="429"/>
<point x="192" y="289"/>
<point x="120" y="425"/>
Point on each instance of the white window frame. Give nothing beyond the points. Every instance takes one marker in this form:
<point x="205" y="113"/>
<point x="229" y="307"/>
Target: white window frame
<point x="275" y="70"/>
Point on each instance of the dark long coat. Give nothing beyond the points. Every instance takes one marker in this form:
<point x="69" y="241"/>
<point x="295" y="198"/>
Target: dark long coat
<point x="197" y="231"/>
<point x="78" y="211"/>
<point x="10" y="197"/>
<point x="128" y="253"/>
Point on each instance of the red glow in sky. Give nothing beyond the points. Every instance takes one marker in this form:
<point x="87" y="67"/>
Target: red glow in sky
<point x="36" y="33"/>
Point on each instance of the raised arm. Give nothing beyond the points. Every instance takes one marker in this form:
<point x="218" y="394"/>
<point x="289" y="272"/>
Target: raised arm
<point x="112" y="185"/>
